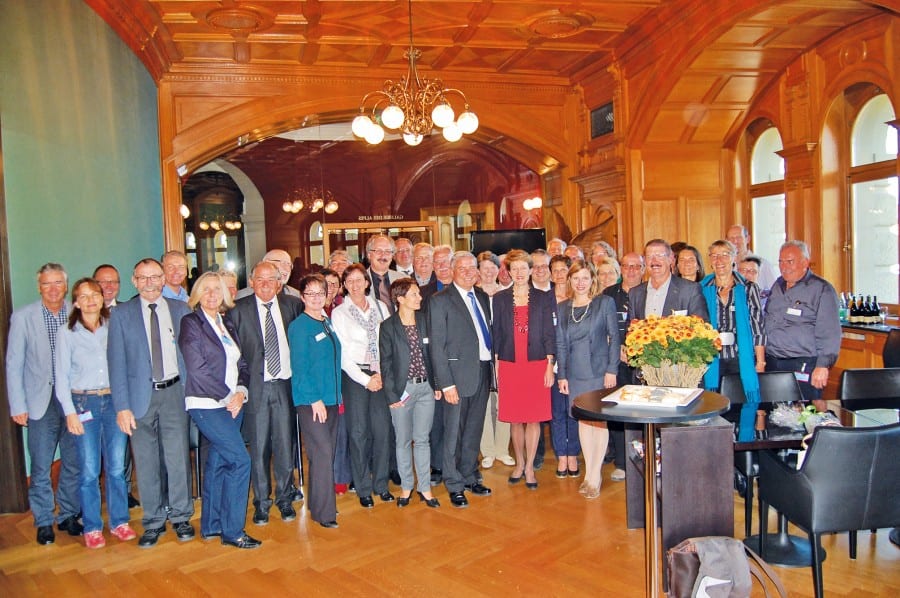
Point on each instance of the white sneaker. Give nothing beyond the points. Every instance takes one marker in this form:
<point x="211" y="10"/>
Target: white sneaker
<point x="487" y="462"/>
<point x="507" y="460"/>
<point x="618" y="475"/>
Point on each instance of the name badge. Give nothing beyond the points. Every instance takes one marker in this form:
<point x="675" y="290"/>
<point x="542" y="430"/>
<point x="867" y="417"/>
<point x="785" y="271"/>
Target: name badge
<point x="793" y="311"/>
<point x="679" y="312"/>
<point x="425" y="340"/>
<point x="623" y="316"/>
<point x="801" y="376"/>
<point x="320" y="337"/>
<point x="727" y="338"/>
<point x="85" y="417"/>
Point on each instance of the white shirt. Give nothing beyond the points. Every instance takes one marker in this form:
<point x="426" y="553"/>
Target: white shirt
<point x="166" y="335"/>
<point x="284" y="351"/>
<point x="483" y="353"/>
<point x="656" y="298"/>
<point x="353" y="337"/>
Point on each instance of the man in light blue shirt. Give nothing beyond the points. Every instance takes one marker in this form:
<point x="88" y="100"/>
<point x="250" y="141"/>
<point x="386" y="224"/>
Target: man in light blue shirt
<point x="175" y="270"/>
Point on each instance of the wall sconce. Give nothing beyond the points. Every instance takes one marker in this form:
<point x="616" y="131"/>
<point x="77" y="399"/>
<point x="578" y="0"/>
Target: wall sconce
<point x="534" y="203"/>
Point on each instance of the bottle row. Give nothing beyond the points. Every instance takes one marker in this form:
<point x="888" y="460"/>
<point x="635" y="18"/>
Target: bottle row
<point x="856" y="310"/>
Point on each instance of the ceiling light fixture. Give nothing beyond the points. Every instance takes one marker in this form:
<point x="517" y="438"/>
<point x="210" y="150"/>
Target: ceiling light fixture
<point x="415" y="106"/>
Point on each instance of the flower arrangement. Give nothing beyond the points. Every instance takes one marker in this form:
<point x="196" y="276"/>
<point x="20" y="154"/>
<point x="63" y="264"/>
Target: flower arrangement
<point x="672" y="350"/>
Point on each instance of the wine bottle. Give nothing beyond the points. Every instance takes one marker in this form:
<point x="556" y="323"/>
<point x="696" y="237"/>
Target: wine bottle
<point x="854" y="310"/>
<point x="876" y="310"/>
<point x="867" y="311"/>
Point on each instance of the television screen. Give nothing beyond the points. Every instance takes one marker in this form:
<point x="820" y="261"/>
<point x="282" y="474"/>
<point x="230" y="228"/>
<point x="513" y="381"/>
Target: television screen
<point x="501" y="241"/>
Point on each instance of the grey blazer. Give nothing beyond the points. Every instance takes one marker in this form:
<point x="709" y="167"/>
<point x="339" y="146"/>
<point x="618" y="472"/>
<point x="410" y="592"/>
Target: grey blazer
<point x="128" y="355"/>
<point x="454" y="340"/>
<point x="29" y="365"/>
<point x="684" y="295"/>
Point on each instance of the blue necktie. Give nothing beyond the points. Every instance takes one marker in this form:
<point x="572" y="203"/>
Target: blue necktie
<point x="481" y="323"/>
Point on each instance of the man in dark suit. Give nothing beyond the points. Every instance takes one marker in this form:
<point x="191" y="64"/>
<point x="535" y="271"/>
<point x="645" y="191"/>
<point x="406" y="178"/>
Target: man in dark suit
<point x="146" y="374"/>
<point x="459" y="328"/>
<point x="380" y="251"/>
<point x="664" y="294"/>
<point x="261" y="321"/>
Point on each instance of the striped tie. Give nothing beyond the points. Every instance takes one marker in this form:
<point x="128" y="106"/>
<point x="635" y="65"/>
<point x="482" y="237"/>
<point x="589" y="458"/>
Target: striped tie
<point x="273" y="356"/>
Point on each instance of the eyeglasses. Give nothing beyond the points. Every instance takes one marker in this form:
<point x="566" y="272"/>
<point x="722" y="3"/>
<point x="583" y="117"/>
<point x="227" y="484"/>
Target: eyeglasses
<point x="658" y="256"/>
<point x="382" y="251"/>
<point x="719" y="256"/>
<point x="153" y="278"/>
<point x="312" y="295"/>
<point x="632" y="266"/>
<point x="748" y="271"/>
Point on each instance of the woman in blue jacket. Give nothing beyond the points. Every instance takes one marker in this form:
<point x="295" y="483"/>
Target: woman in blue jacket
<point x="215" y="393"/>
<point x="316" y="384"/>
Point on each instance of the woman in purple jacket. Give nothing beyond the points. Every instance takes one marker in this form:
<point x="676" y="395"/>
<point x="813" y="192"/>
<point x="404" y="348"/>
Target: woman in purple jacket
<point x="215" y="393"/>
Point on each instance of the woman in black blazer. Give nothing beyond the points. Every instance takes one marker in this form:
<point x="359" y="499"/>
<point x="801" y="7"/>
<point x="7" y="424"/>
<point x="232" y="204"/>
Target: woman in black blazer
<point x="215" y="393"/>
<point x="523" y="332"/>
<point x="409" y="386"/>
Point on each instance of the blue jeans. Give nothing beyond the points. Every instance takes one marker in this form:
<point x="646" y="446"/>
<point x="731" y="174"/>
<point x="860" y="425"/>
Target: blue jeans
<point x="44" y="435"/>
<point x="226" y="479"/>
<point x="102" y="437"/>
<point x="563" y="427"/>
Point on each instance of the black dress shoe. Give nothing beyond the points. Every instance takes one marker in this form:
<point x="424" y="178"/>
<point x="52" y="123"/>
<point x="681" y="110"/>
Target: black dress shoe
<point x="893" y="536"/>
<point x="260" y="517"/>
<point x="478" y="489"/>
<point x="531" y="485"/>
<point x="45" y="535"/>
<point x="574" y="473"/>
<point x="562" y="474"/>
<point x="70" y="525"/>
<point x="298" y="495"/>
<point x="386" y="497"/>
<point x="430" y="502"/>
<point x="329" y="524"/>
<point x="184" y="531"/>
<point x="458" y="500"/>
<point x="436" y="476"/>
<point x="151" y="536"/>
<point x="210" y="535"/>
<point x="515" y="479"/>
<point x="287" y="512"/>
<point x="244" y="541"/>
<point x="133" y="502"/>
<point x="402" y="501"/>
<point x="366" y="502"/>
<point x="395" y="477"/>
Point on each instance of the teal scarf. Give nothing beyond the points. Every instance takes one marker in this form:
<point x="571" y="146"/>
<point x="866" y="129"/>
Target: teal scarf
<point x="746" y="356"/>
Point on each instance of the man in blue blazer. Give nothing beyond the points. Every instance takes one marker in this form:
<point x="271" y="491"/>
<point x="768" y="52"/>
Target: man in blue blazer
<point x="269" y="413"/>
<point x="664" y="294"/>
<point x="459" y="319"/>
<point x="32" y="402"/>
<point x="146" y="374"/>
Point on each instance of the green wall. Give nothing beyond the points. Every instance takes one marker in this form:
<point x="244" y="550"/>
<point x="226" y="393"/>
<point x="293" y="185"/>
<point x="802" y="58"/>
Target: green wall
<point x="78" y="119"/>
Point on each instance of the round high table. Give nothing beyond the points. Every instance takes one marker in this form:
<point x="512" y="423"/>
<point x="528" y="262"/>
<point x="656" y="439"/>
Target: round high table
<point x="591" y="406"/>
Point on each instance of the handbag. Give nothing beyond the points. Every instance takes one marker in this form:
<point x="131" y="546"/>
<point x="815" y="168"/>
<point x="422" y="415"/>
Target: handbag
<point x="717" y="567"/>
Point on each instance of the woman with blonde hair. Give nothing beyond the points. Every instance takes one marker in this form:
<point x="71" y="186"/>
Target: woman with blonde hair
<point x="587" y="347"/>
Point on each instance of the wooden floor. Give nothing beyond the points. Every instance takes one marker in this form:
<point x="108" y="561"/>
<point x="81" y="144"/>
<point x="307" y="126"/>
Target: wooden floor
<point x="549" y="542"/>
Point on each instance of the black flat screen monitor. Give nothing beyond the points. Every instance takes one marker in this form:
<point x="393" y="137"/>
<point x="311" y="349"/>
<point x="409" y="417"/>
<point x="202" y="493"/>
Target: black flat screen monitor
<point x="501" y="241"/>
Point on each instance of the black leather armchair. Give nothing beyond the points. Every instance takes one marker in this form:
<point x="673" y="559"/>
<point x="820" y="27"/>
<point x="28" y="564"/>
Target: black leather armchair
<point x="870" y="388"/>
<point x="848" y="481"/>
<point x="891" y="352"/>
<point x="774" y="387"/>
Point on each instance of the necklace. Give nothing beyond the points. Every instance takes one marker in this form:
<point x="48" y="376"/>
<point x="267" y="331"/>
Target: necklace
<point x="587" y="308"/>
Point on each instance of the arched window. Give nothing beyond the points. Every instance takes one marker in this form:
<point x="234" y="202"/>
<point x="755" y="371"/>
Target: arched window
<point x="873" y="201"/>
<point x="766" y="190"/>
<point x="316" y="249"/>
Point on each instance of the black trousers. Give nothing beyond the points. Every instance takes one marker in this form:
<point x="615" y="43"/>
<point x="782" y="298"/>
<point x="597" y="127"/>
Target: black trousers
<point x="320" y="439"/>
<point x="368" y="419"/>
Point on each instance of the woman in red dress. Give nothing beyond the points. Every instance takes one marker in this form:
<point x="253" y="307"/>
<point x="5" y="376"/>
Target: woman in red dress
<point x="524" y="338"/>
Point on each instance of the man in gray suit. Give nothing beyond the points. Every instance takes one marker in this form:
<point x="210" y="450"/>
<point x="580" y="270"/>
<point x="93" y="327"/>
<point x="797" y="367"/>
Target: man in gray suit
<point x="664" y="294"/>
<point x="459" y="327"/>
<point x="146" y="374"/>
<point x="30" y="386"/>
<point x="261" y="321"/>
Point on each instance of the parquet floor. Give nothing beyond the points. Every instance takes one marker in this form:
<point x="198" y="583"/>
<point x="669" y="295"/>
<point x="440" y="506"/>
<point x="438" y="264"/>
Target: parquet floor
<point x="550" y="542"/>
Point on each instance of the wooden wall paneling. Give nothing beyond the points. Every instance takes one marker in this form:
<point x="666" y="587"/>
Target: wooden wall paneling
<point x="14" y="489"/>
<point x="660" y="219"/>
<point x="703" y="216"/>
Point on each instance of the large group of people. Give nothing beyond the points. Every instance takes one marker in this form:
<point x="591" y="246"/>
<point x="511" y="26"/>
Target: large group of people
<point x="420" y="366"/>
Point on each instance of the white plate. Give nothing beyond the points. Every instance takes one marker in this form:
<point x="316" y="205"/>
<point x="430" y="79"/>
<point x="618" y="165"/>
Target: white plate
<point x="662" y="397"/>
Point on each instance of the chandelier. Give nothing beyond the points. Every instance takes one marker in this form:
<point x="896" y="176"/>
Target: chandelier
<point x="413" y="107"/>
<point x="313" y="198"/>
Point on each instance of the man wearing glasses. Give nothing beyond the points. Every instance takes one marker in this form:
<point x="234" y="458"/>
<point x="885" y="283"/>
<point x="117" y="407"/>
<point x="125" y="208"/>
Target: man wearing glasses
<point x="30" y="387"/>
<point x="146" y="374"/>
<point x="261" y="321"/>
<point x="664" y="294"/>
<point x="380" y="250"/>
